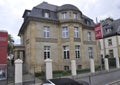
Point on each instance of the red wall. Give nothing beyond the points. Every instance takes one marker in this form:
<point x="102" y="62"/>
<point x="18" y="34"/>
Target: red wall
<point x="3" y="47"/>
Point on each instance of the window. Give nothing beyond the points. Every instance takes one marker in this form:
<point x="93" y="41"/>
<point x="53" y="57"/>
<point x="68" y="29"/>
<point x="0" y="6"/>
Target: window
<point x="75" y="15"/>
<point x="108" y="30"/>
<point x="64" y="15"/>
<point x="89" y="36"/>
<point x="64" y="32"/>
<point x="77" y="51"/>
<point x="109" y="42"/>
<point x="66" y="67"/>
<point x="66" y="52"/>
<point x="79" y="66"/>
<point x="111" y="53"/>
<point x="46" y="32"/>
<point x="46" y="14"/>
<point x="46" y="52"/>
<point x="76" y="32"/>
<point x="90" y="52"/>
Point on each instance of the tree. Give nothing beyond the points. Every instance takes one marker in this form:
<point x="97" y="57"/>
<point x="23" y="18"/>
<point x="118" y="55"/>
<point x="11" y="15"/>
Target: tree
<point x="10" y="44"/>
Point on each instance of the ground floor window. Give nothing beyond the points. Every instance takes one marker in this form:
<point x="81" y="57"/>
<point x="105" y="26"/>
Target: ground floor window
<point x="2" y="74"/>
<point x="66" y="67"/>
<point x="79" y="66"/>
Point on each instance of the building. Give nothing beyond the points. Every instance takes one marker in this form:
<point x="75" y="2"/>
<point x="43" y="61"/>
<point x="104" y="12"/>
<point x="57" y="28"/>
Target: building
<point x="61" y="33"/>
<point x="3" y="54"/>
<point x="110" y="44"/>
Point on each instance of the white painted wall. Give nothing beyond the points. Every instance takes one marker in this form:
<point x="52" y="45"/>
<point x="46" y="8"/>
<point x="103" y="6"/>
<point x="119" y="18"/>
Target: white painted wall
<point x="114" y="44"/>
<point x="101" y="43"/>
<point x="107" y="47"/>
<point x="119" y="40"/>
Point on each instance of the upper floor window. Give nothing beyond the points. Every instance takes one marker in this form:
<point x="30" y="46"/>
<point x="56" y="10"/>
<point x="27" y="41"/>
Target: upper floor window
<point x="46" y="32"/>
<point x="77" y="51"/>
<point x="75" y="15"/>
<point x="89" y="36"/>
<point x="66" y="52"/>
<point x="46" y="52"/>
<point x="111" y="53"/>
<point x="90" y="52"/>
<point x="76" y="32"/>
<point x="64" y="15"/>
<point x="87" y="22"/>
<point x="109" y="42"/>
<point x="108" y="30"/>
<point x="65" y="33"/>
<point x="46" y="14"/>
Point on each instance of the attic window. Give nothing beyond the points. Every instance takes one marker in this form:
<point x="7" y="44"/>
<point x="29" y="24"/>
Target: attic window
<point x="64" y="15"/>
<point x="87" y="22"/>
<point x="46" y="14"/>
<point x="74" y="15"/>
<point x="108" y="30"/>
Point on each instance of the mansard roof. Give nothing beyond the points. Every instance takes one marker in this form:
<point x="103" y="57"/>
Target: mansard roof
<point x="114" y="26"/>
<point x="67" y="7"/>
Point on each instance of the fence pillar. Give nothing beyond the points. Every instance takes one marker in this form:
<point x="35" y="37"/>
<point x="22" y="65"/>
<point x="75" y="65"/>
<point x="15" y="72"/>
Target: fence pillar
<point x="49" y="74"/>
<point x="73" y="67"/>
<point x="18" y="72"/>
<point x="117" y="62"/>
<point x="106" y="64"/>
<point x="92" y="66"/>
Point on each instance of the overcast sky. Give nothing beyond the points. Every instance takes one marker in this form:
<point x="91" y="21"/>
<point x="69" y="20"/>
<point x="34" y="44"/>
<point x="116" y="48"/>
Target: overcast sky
<point x="11" y="11"/>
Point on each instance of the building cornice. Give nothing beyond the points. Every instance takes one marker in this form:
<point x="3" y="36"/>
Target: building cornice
<point x="28" y="19"/>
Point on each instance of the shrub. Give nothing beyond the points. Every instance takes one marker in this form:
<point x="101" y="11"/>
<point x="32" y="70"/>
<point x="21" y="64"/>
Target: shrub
<point x="83" y="70"/>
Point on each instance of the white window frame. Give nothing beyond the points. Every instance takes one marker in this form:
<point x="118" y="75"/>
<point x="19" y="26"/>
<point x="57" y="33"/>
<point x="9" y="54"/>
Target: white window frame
<point x="46" y="32"/>
<point x="64" y="15"/>
<point x="109" y="42"/>
<point x="76" y="32"/>
<point x="111" y="52"/>
<point x="66" y="53"/>
<point x="90" y="52"/>
<point x="75" y="15"/>
<point x="89" y="36"/>
<point x="65" y="33"/>
<point x="77" y="51"/>
<point x="46" y="52"/>
<point x="46" y="14"/>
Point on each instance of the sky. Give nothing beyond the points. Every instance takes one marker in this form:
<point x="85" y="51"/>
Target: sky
<point x="11" y="11"/>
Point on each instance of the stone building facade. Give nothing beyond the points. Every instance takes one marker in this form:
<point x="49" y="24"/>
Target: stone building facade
<point x="61" y="33"/>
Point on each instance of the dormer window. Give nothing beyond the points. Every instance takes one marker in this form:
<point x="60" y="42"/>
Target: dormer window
<point x="46" y="15"/>
<point x="87" y="22"/>
<point x="108" y="30"/>
<point x="75" y="15"/>
<point x="64" y="15"/>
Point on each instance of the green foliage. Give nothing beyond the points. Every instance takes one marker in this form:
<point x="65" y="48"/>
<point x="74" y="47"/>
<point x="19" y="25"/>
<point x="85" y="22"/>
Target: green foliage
<point x="38" y="74"/>
<point x="10" y="44"/>
<point x="106" y="56"/>
<point x="79" y="71"/>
